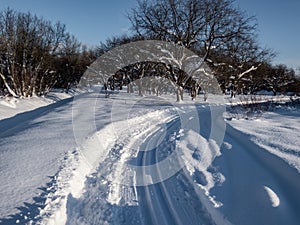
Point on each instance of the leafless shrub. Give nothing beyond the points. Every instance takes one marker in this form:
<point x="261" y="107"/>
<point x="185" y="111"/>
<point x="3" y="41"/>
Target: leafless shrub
<point x="249" y="107"/>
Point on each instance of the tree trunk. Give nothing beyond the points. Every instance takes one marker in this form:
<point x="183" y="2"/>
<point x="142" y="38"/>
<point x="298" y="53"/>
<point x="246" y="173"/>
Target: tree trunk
<point x="129" y="88"/>
<point x="205" y="96"/>
<point x="179" y="93"/>
<point x="10" y="90"/>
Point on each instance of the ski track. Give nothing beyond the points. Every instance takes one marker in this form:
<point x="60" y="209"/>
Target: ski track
<point x="248" y="168"/>
<point x="241" y="183"/>
<point x="156" y="203"/>
<point x="182" y="200"/>
<point x="166" y="200"/>
<point x="158" y="200"/>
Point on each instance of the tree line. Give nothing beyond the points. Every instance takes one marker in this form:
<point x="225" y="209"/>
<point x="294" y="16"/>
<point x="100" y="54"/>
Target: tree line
<point x="218" y="31"/>
<point x="37" y="55"/>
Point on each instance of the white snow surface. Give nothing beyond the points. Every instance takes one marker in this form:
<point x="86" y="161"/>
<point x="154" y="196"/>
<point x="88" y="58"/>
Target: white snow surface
<point x="128" y="159"/>
<point x="10" y="106"/>
<point x="35" y="135"/>
<point x="277" y="132"/>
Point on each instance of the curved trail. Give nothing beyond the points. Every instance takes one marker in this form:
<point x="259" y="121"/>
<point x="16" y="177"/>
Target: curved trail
<point x="166" y="202"/>
<point x="155" y="196"/>
<point x="248" y="170"/>
<point x="252" y="185"/>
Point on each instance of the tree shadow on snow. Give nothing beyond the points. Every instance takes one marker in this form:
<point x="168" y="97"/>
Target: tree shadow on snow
<point x="29" y="212"/>
<point x="247" y="169"/>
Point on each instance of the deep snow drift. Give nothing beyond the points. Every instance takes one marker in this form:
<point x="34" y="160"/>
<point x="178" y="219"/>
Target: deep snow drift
<point x="148" y="160"/>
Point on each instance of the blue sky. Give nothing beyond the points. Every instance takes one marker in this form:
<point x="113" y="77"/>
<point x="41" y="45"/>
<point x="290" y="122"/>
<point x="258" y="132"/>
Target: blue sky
<point x="92" y="21"/>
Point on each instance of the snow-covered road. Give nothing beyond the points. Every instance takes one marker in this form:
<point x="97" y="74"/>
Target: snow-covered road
<point x="141" y="161"/>
<point x="142" y="180"/>
<point x="166" y="202"/>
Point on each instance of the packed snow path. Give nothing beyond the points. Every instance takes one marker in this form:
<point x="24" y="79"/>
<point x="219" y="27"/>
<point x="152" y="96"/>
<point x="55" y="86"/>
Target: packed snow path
<point x="239" y="183"/>
<point x="163" y="203"/>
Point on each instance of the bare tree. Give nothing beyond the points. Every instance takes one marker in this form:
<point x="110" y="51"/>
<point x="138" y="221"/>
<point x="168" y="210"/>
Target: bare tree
<point x="222" y="34"/>
<point x="28" y="46"/>
<point x="278" y="78"/>
<point x="70" y="62"/>
<point x="178" y="21"/>
<point x="176" y="65"/>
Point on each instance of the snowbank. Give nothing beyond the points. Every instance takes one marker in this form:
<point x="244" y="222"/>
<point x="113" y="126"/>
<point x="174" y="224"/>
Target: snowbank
<point x="277" y="132"/>
<point x="10" y="106"/>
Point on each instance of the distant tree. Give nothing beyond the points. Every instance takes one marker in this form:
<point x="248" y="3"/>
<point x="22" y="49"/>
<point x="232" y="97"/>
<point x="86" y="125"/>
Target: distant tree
<point x="258" y="78"/>
<point x="295" y="86"/>
<point x="71" y="61"/>
<point x="279" y="77"/>
<point x="114" y="42"/>
<point x="174" y="66"/>
<point x="2" y="87"/>
<point x="297" y="72"/>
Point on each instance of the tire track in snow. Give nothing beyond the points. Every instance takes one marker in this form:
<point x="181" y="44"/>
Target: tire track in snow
<point x="156" y="199"/>
<point x="173" y="206"/>
<point x="156" y="206"/>
<point x="197" y="209"/>
<point x="162" y="197"/>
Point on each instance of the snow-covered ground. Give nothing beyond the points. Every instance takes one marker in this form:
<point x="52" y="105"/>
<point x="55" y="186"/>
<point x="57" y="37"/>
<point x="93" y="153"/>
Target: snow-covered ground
<point x="10" y="106"/>
<point x="128" y="159"/>
<point x="34" y="136"/>
<point x="277" y="132"/>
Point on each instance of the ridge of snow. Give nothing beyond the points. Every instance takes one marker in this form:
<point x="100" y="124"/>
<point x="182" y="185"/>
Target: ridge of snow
<point x="11" y="106"/>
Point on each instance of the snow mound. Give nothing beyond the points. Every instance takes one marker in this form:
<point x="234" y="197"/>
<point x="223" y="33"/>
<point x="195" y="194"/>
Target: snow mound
<point x="198" y="155"/>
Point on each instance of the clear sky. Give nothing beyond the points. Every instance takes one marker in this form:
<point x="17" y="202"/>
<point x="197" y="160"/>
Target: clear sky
<point x="93" y="21"/>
